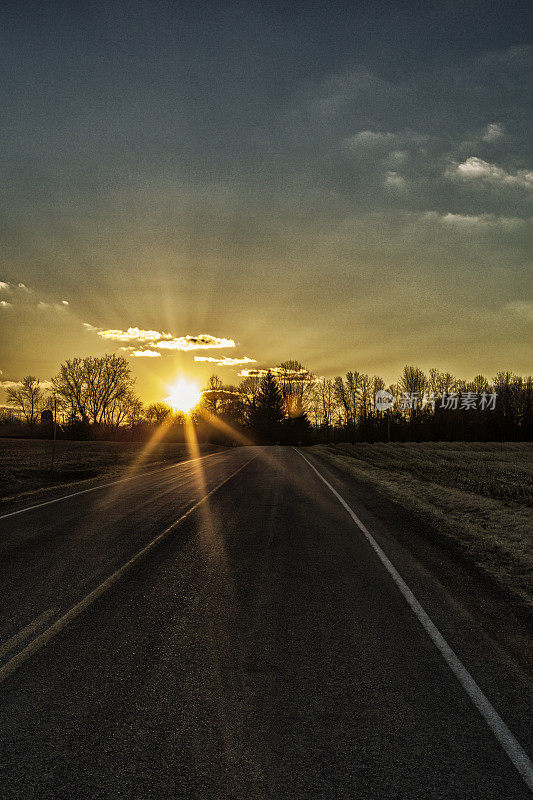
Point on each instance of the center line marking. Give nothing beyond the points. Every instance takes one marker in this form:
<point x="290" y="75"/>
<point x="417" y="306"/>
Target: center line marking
<point x="37" y="623"/>
<point x="507" y="740"/>
<point x="44" y="637"/>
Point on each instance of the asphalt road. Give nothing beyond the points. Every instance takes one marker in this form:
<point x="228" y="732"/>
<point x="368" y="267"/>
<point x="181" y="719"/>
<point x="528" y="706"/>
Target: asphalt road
<point x="262" y="648"/>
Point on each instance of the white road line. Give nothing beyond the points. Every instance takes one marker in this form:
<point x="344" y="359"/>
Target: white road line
<point x="104" y="486"/>
<point x="19" y="637"/>
<point x="43" y="638"/>
<point x="510" y="744"/>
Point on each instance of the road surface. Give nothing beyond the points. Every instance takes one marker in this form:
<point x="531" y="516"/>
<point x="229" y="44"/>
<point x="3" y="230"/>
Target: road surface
<point x="262" y="647"/>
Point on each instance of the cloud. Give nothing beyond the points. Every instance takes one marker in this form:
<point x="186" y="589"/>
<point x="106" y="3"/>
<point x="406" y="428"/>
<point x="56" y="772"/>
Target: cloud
<point x="22" y="295"/>
<point x="226" y="361"/>
<point x="476" y="169"/>
<point x="520" y="308"/>
<point x="300" y="374"/>
<point x="475" y="220"/>
<point x="10" y="384"/>
<point x="370" y="139"/>
<point x="337" y="95"/>
<point x="359" y="126"/>
<point x="203" y="341"/>
<point x="253" y="373"/>
<point x="379" y="139"/>
<point x="396" y="157"/>
<point x="395" y="181"/>
<point x="55" y="306"/>
<point x="16" y="384"/>
<point x="161" y="341"/>
<point x="224" y="390"/>
<point x="133" y="335"/>
<point x="492" y="132"/>
<point x="143" y="353"/>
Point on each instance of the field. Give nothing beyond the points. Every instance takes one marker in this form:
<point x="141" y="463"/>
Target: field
<point x="25" y="464"/>
<point x="475" y="497"/>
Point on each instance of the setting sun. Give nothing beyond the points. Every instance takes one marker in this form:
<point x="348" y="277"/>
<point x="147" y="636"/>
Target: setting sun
<point x="185" y="394"/>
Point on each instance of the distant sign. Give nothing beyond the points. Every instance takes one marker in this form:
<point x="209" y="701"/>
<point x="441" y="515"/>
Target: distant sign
<point x="384" y="400"/>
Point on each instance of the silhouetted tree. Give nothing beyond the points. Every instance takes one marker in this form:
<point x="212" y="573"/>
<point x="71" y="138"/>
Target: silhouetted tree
<point x="27" y="398"/>
<point x="158" y="413"/>
<point x="249" y="388"/>
<point x="212" y="395"/>
<point x="96" y="389"/>
<point x="297" y="430"/>
<point x="225" y="401"/>
<point x="295" y="384"/>
<point x="413" y="382"/>
<point x="266" y="411"/>
<point x="96" y="396"/>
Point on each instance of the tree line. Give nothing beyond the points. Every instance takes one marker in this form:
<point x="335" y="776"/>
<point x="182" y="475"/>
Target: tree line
<point x="436" y="406"/>
<point x="95" y="398"/>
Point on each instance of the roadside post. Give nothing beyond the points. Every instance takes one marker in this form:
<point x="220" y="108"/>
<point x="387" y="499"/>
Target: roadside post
<point x="55" y="432"/>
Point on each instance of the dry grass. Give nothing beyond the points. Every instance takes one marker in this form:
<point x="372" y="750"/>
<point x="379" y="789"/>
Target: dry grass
<point x="25" y="463"/>
<point x="476" y="496"/>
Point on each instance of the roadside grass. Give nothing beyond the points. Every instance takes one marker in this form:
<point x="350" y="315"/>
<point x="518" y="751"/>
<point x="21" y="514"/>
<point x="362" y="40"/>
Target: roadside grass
<point x="25" y="463"/>
<point x="476" y="497"/>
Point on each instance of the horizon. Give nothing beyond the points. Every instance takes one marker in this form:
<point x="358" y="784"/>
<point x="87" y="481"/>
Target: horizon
<point x="195" y="387"/>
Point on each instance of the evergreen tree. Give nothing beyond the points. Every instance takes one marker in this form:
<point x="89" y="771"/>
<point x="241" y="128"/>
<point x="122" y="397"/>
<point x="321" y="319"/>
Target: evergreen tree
<point x="297" y="430"/>
<point x="266" y="412"/>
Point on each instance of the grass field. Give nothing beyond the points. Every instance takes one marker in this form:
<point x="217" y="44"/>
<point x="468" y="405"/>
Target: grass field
<point x="475" y="496"/>
<point x="25" y="463"/>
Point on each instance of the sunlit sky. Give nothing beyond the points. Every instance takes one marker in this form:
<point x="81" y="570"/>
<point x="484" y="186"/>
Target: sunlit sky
<point x="344" y="183"/>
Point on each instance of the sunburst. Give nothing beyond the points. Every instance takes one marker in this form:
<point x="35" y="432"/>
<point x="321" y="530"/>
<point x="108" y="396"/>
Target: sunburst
<point x="184" y="395"/>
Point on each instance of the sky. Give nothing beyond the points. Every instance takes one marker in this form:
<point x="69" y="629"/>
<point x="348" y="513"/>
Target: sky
<point x="344" y="183"/>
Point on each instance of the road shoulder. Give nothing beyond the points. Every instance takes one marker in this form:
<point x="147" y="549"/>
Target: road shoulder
<point x="501" y="617"/>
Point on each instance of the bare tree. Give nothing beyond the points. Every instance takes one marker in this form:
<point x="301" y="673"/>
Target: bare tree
<point x="342" y="399"/>
<point x="212" y="395"/>
<point x="322" y="401"/>
<point x="378" y="384"/>
<point x="365" y="397"/>
<point x="71" y="390"/>
<point x="328" y="402"/>
<point x="413" y="382"/>
<point x="109" y="388"/>
<point x="119" y="409"/>
<point x="158" y="413"/>
<point x="98" y="390"/>
<point x="295" y="383"/>
<point x="249" y="388"/>
<point x="479" y="384"/>
<point x="439" y="382"/>
<point x="27" y="398"/>
<point x="135" y="411"/>
<point x="315" y="405"/>
<point x="348" y="395"/>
